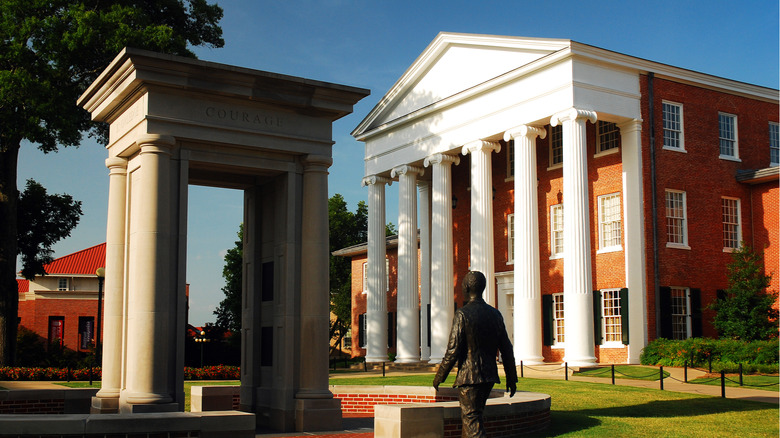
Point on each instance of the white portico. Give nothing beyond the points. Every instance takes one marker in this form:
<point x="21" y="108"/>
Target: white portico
<point x="461" y="101"/>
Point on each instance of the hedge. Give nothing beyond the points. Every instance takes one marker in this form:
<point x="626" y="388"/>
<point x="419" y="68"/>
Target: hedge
<point x="725" y="354"/>
<point x="219" y="372"/>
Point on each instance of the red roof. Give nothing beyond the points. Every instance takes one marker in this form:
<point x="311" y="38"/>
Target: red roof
<point x="22" y="286"/>
<point x="84" y="262"/>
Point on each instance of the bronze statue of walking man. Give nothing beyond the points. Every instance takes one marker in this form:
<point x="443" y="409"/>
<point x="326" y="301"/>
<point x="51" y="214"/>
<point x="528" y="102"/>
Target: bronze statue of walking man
<point x="478" y="334"/>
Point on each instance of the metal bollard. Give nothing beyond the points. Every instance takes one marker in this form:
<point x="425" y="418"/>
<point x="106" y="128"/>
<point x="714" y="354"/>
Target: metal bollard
<point x="383" y="369"/>
<point x="566" y="370"/>
<point x="613" y="374"/>
<point x="521" y="369"/>
<point x="686" y="371"/>
<point x="723" y="384"/>
<point x="661" y="369"/>
<point x="740" y="374"/>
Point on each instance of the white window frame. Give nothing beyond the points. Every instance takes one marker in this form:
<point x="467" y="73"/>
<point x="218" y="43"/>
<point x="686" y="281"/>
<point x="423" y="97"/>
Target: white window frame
<point x="63" y="284"/>
<point x="680" y="130"/>
<point x="510" y="235"/>
<point x="556" y="136"/>
<point x="683" y="220"/>
<point x="728" y="136"/>
<point x="607" y="138"/>
<point x="365" y="277"/>
<point x="611" y="319"/>
<point x="681" y="312"/>
<point x="732" y="223"/>
<point x="387" y="276"/>
<point x="612" y="225"/>
<point x="774" y="144"/>
<point x="559" y="324"/>
<point x="556" y="231"/>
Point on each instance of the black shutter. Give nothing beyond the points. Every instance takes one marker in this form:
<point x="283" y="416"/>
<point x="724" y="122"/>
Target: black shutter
<point x="429" y="325"/>
<point x="624" y="315"/>
<point x="696" y="324"/>
<point x="597" y="335"/>
<point x="390" y="330"/>
<point x="362" y="330"/>
<point x="665" y="304"/>
<point x="547" y="319"/>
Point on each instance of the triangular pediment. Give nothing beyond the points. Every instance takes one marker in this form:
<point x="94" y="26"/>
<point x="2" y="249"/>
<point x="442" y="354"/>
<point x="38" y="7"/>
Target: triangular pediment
<point x="451" y="64"/>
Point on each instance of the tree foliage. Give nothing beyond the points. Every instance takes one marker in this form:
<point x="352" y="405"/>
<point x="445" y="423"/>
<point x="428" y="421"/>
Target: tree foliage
<point x="229" y="310"/>
<point x="50" y="52"/>
<point x="746" y="310"/>
<point x="44" y="219"/>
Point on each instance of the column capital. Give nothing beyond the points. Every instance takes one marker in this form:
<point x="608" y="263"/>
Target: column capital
<point x="156" y="139"/>
<point x="488" y="146"/>
<point x="630" y="125"/>
<point x="524" y="131"/>
<point x="116" y="164"/>
<point x="573" y="114"/>
<point x="404" y="169"/>
<point x="441" y="159"/>
<point x="312" y="162"/>
<point x="375" y="179"/>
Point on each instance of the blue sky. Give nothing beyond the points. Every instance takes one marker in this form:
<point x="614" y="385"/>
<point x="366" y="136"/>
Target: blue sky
<point x="369" y="44"/>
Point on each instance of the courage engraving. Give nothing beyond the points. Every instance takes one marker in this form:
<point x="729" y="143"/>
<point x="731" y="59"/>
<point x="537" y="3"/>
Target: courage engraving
<point x="241" y="116"/>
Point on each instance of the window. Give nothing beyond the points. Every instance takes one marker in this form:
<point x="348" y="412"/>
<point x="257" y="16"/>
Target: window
<point x="387" y="276"/>
<point x="56" y="330"/>
<point x="556" y="146"/>
<point x="609" y="222"/>
<point x="63" y="284"/>
<point x="608" y="136"/>
<point x="727" y="133"/>
<point x="673" y="126"/>
<point x="732" y="231"/>
<point x="558" y="326"/>
<point x="365" y="277"/>
<point x="774" y="144"/>
<point x="556" y="227"/>
<point x="681" y="328"/>
<point x="676" y="220"/>
<point x="510" y="233"/>
<point x="348" y="339"/>
<point x="611" y="317"/>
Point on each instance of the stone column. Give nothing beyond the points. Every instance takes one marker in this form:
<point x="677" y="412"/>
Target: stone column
<point x="425" y="266"/>
<point x="634" y="231"/>
<point x="577" y="278"/>
<point x="442" y="283"/>
<point x="107" y="399"/>
<point x="482" y="250"/>
<point x="376" y="299"/>
<point x="527" y="280"/>
<point x="408" y="303"/>
<point x="315" y="407"/>
<point x="149" y="313"/>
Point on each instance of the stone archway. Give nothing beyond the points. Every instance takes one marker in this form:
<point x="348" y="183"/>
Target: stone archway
<point x="178" y="121"/>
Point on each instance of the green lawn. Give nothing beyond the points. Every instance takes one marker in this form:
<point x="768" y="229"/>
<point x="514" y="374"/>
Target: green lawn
<point x="623" y="372"/>
<point x="765" y="383"/>
<point x="583" y="409"/>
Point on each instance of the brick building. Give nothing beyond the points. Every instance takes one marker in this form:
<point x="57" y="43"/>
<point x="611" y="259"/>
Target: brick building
<point x="662" y="172"/>
<point x="62" y="306"/>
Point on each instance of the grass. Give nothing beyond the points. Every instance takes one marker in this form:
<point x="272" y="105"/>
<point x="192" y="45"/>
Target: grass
<point x="584" y="409"/>
<point x="188" y="384"/>
<point x="764" y="383"/>
<point x="623" y="372"/>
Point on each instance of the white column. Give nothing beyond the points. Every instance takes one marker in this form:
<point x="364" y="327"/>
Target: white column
<point x="481" y="249"/>
<point x="577" y="276"/>
<point x="149" y="313"/>
<point x="313" y="377"/>
<point x="408" y="302"/>
<point x="634" y="231"/>
<point x="376" y="297"/>
<point x="113" y="303"/>
<point x="527" y="280"/>
<point x="442" y="268"/>
<point x="425" y="266"/>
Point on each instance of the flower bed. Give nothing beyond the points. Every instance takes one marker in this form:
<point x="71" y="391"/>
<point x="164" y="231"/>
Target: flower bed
<point x="219" y="372"/>
<point x="725" y="354"/>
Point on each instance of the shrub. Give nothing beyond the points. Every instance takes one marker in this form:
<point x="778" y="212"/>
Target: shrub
<point x="726" y="354"/>
<point x="218" y="372"/>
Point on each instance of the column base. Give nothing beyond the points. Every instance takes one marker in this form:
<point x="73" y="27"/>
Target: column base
<point x="317" y="414"/>
<point x="104" y="405"/>
<point x="580" y="361"/>
<point x="407" y="360"/>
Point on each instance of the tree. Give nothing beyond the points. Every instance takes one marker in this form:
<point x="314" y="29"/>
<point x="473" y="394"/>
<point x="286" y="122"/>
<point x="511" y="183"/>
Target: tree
<point x="346" y="229"/>
<point x="50" y="52"/>
<point x="43" y="220"/>
<point x="229" y="310"/>
<point x="746" y="309"/>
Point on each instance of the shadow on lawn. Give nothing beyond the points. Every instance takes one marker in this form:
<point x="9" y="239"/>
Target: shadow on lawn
<point x="563" y="422"/>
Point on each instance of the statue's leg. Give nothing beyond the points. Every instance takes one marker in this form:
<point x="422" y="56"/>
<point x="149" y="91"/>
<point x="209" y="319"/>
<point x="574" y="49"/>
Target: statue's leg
<point x="472" y="400"/>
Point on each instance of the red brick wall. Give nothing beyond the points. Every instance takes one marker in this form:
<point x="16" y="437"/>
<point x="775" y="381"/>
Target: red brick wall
<point x="33" y="406"/>
<point x="364" y="403"/>
<point x="35" y="316"/>
<point x="765" y="213"/>
<point x="504" y="426"/>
